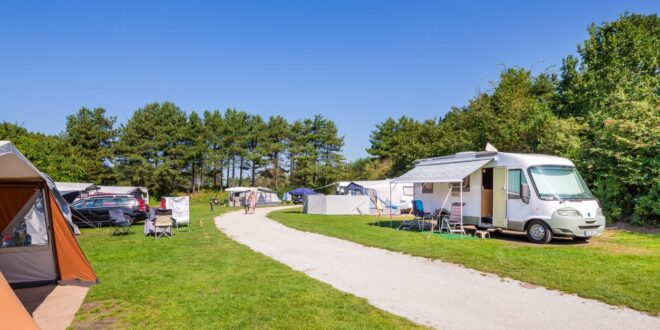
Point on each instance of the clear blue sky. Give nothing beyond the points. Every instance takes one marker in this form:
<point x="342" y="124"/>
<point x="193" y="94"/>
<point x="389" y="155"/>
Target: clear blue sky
<point x="356" y="62"/>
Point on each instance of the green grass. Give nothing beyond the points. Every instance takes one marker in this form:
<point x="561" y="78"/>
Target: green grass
<point x="620" y="268"/>
<point x="203" y="279"/>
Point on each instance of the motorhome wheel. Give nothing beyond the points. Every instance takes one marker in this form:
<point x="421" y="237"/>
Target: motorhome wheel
<point x="539" y="232"/>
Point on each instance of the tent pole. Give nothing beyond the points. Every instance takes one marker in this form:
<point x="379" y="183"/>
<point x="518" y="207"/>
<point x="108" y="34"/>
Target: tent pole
<point x="462" y="228"/>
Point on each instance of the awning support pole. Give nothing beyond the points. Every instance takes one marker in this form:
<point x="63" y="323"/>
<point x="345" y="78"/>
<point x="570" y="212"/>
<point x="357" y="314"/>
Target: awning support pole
<point x="462" y="228"/>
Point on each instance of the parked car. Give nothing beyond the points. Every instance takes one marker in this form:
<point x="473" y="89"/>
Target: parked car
<point x="96" y="209"/>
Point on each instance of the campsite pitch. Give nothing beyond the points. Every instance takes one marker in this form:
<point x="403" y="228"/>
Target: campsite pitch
<point x="203" y="280"/>
<point x="433" y="293"/>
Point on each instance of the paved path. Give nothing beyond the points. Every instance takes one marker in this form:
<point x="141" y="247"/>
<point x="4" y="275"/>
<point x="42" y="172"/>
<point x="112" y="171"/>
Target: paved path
<point x="433" y="293"/>
<point x="53" y="307"/>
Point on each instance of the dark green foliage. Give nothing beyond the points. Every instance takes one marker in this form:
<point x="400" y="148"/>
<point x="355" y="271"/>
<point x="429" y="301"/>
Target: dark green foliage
<point x="603" y="112"/>
<point x="615" y="89"/>
<point x="315" y="152"/>
<point x="92" y="135"/>
<point x="51" y="154"/>
<point x="152" y="150"/>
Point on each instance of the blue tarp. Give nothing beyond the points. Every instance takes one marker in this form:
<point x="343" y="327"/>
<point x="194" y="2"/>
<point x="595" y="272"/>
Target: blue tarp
<point x="302" y="192"/>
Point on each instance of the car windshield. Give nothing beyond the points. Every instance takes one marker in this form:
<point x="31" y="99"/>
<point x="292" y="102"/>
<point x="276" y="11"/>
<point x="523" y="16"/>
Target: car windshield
<point x="559" y="182"/>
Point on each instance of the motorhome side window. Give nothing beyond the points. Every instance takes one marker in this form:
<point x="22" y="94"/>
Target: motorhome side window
<point x="516" y="179"/>
<point x="427" y="188"/>
<point x="456" y="189"/>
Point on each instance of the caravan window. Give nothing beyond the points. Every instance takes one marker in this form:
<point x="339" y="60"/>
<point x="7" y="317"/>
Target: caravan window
<point x="427" y="188"/>
<point x="456" y="189"/>
<point x="408" y="191"/>
<point x="516" y="178"/>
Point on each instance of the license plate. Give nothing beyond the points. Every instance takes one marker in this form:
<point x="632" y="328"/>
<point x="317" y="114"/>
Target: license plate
<point x="589" y="233"/>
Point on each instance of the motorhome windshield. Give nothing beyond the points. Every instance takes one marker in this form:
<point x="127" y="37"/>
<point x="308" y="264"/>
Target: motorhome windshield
<point x="559" y="182"/>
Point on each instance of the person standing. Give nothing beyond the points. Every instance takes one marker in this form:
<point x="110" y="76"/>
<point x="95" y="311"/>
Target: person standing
<point x="252" y="200"/>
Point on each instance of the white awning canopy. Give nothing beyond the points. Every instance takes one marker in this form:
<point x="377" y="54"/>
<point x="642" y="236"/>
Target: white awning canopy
<point x="65" y="187"/>
<point x="442" y="171"/>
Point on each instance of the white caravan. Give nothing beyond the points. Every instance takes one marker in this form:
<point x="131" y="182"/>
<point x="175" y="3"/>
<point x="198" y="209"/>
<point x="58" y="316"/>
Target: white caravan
<point x="542" y="195"/>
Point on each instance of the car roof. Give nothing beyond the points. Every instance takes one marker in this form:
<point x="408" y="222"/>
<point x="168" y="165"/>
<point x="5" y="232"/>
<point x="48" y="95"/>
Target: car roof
<point x="107" y="195"/>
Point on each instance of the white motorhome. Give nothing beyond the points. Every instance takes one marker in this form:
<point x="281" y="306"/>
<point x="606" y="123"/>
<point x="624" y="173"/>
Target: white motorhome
<point x="541" y="195"/>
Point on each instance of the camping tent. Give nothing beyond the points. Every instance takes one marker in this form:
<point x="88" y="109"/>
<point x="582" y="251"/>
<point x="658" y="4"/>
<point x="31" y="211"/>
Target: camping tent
<point x="302" y="192"/>
<point x="38" y="245"/>
<point x="265" y="196"/>
<point x="72" y="190"/>
<point x="386" y="195"/>
<point x="126" y="190"/>
<point x="299" y="194"/>
<point x="13" y="314"/>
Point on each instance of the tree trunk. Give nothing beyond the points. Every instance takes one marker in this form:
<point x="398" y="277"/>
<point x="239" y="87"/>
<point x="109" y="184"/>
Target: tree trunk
<point x="240" y="173"/>
<point x="192" y="180"/>
<point x="233" y="167"/>
<point x="228" y="170"/>
<point x="254" y="180"/>
<point x="291" y="170"/>
<point x="276" y="160"/>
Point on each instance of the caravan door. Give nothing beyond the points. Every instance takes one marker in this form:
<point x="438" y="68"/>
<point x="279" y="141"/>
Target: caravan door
<point x="499" y="196"/>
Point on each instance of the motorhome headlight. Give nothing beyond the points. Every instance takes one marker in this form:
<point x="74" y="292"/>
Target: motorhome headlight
<point x="568" y="212"/>
<point x="599" y="212"/>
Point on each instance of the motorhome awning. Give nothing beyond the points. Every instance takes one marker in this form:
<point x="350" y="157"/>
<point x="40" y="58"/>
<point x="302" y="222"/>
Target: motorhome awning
<point x="442" y="172"/>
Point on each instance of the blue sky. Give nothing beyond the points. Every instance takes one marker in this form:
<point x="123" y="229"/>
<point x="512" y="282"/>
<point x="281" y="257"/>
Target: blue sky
<point x="356" y="62"/>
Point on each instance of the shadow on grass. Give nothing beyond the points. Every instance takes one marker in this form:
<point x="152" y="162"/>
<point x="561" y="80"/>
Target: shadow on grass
<point x="506" y="236"/>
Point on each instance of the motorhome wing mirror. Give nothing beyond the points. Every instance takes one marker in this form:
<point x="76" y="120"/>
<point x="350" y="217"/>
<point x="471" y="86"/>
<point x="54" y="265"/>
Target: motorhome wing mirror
<point x="524" y="192"/>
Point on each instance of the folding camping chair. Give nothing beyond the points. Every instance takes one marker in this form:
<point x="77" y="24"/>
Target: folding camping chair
<point x="120" y="224"/>
<point x="163" y="223"/>
<point x="454" y="222"/>
<point x="420" y="216"/>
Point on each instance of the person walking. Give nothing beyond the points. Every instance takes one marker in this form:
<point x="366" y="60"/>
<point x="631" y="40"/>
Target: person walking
<point x="252" y="201"/>
<point x="244" y="200"/>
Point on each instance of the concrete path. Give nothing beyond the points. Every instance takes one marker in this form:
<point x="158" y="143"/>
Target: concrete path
<point x="53" y="307"/>
<point x="433" y="293"/>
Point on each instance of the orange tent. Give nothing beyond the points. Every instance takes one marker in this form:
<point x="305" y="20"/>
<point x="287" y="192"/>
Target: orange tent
<point x="12" y="312"/>
<point x="38" y="244"/>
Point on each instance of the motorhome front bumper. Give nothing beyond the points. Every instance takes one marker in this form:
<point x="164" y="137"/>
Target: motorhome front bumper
<point x="577" y="225"/>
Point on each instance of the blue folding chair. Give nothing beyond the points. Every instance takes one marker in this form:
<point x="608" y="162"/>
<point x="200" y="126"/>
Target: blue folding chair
<point x="121" y="224"/>
<point x="420" y="216"/>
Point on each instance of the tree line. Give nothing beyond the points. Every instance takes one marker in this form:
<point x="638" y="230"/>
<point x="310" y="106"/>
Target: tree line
<point x="601" y="110"/>
<point x="163" y="148"/>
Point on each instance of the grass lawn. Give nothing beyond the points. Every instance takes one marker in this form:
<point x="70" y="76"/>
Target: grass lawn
<point x="203" y="279"/>
<point x="620" y="268"/>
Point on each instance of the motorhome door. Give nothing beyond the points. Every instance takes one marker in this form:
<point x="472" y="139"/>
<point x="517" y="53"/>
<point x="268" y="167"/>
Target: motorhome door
<point x="499" y="196"/>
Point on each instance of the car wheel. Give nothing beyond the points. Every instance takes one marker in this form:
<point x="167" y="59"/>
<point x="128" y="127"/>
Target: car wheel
<point x="539" y="232"/>
<point x="581" y="239"/>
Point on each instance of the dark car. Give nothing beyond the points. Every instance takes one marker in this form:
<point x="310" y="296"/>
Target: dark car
<point x="96" y="209"/>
